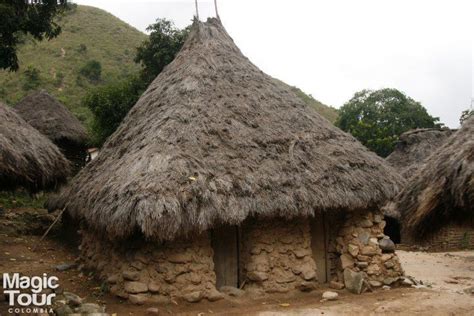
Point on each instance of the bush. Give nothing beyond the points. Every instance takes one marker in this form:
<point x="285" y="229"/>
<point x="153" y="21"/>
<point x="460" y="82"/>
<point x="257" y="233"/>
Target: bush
<point x="110" y="104"/>
<point x="92" y="70"/>
<point x="31" y="78"/>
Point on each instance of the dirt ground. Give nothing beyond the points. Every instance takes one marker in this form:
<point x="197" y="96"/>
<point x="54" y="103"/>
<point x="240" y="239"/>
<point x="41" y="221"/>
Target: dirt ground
<point x="448" y="273"/>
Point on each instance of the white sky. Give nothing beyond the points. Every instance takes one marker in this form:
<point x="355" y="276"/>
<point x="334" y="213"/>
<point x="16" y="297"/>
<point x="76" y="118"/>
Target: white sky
<point x="333" y="48"/>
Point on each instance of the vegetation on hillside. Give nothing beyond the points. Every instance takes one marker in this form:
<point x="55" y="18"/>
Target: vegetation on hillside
<point x="327" y="111"/>
<point x="99" y="66"/>
<point x="110" y="103"/>
<point x="378" y="118"/>
<point x="18" y="18"/>
<point x="94" y="48"/>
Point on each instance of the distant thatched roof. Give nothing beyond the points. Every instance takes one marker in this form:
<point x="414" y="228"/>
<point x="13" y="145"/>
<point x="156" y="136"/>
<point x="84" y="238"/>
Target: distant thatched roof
<point x="443" y="190"/>
<point x="27" y="158"/>
<point x="414" y="147"/>
<point x="53" y="119"/>
<point x="214" y="140"/>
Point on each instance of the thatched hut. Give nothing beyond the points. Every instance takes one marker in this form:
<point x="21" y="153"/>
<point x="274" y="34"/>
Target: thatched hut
<point x="409" y="155"/>
<point x="53" y="119"/>
<point x="27" y="158"/>
<point x="414" y="147"/>
<point x="437" y="204"/>
<point x="220" y="175"/>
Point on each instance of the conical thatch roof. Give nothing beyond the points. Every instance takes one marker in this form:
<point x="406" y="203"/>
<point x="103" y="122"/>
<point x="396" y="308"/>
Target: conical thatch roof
<point x="215" y="140"/>
<point x="51" y="118"/>
<point x="414" y="147"/>
<point x="443" y="190"/>
<point x="27" y="158"/>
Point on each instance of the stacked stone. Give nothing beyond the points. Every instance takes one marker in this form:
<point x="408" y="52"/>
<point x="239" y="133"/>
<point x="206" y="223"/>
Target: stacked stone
<point x="366" y="254"/>
<point x="277" y="256"/>
<point x="151" y="272"/>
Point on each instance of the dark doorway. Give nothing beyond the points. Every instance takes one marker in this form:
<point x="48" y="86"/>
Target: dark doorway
<point x="392" y="229"/>
<point x="319" y="242"/>
<point x="225" y="243"/>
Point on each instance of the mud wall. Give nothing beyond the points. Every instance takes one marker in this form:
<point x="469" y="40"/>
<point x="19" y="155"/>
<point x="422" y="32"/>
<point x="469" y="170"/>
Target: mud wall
<point x="276" y="255"/>
<point x="450" y="237"/>
<point x="150" y="272"/>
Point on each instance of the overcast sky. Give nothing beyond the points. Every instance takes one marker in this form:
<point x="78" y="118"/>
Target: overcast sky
<point x="334" y="48"/>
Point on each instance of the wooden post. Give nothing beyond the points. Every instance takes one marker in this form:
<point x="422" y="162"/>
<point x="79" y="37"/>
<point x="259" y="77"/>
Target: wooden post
<point x="217" y="12"/>
<point x="197" y="9"/>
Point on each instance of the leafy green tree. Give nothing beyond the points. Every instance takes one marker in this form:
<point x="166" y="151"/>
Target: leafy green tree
<point x="111" y="103"/>
<point x="465" y="115"/>
<point x="160" y="48"/>
<point x="92" y="70"/>
<point x="378" y="118"/>
<point x="21" y="17"/>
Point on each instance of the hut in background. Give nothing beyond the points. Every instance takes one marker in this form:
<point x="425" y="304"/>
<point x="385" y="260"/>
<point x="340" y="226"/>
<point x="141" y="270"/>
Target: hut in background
<point x="437" y="204"/>
<point x="414" y="147"/>
<point x="53" y="119"/>
<point x="221" y="176"/>
<point x="27" y="158"/>
<point x="409" y="155"/>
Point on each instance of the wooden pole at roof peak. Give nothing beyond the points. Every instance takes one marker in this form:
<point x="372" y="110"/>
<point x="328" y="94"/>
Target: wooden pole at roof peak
<point x="197" y="9"/>
<point x="217" y="12"/>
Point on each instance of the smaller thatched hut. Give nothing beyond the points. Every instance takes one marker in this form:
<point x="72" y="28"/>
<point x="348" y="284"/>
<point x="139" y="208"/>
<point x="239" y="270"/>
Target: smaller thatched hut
<point x="414" y="147"/>
<point x="410" y="153"/>
<point x="437" y="205"/>
<point x="27" y="158"/>
<point x="53" y="119"/>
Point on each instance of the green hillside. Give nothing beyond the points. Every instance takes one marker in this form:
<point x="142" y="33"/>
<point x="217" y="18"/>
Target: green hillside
<point x="89" y="34"/>
<point x="327" y="111"/>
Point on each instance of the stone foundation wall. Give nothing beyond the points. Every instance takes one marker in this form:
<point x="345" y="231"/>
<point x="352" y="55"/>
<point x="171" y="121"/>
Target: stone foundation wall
<point x="276" y="255"/>
<point x="450" y="237"/>
<point x="360" y="242"/>
<point x="150" y="272"/>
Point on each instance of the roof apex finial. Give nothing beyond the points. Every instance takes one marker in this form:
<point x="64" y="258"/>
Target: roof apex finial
<point x="197" y="9"/>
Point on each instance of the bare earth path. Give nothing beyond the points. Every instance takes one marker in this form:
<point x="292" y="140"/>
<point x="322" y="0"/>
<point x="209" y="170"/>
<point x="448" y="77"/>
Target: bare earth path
<point x="449" y="273"/>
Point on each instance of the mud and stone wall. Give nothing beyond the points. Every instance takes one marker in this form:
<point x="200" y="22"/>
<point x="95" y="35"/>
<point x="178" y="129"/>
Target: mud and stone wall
<point x="449" y="237"/>
<point x="150" y="272"/>
<point x="360" y="242"/>
<point x="276" y="255"/>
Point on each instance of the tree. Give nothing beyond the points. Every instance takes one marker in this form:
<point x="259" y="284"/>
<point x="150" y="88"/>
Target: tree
<point x="92" y="70"/>
<point x="160" y="48"/>
<point x="110" y="103"/>
<point x="19" y="18"/>
<point x="378" y="118"/>
<point x="465" y="115"/>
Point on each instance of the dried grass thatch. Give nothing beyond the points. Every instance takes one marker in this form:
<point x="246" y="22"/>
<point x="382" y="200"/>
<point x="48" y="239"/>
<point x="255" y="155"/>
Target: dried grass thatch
<point x="443" y="190"/>
<point x="214" y="140"/>
<point x="414" y="147"/>
<point x="27" y="158"/>
<point x="53" y="119"/>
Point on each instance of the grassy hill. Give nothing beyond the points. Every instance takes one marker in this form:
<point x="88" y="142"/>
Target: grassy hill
<point x="327" y="111"/>
<point x="88" y="34"/>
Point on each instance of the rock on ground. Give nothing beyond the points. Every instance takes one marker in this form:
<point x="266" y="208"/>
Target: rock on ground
<point x="330" y="296"/>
